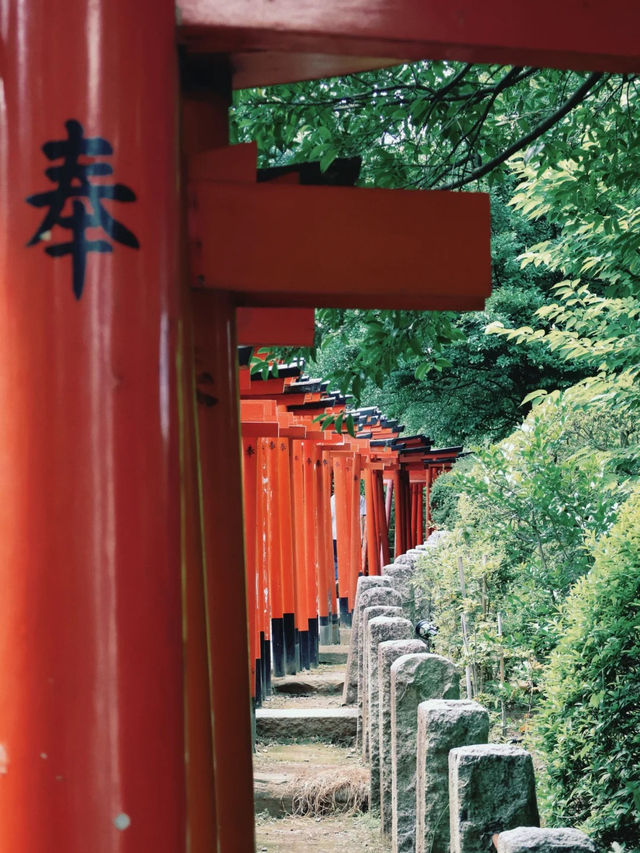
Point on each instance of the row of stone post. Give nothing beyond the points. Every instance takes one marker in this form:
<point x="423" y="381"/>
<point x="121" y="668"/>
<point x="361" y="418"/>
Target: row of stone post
<point x="437" y="783"/>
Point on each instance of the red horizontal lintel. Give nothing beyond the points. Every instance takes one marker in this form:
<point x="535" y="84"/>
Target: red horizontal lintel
<point x="573" y="34"/>
<point x="342" y="246"/>
<point x="293" y="327"/>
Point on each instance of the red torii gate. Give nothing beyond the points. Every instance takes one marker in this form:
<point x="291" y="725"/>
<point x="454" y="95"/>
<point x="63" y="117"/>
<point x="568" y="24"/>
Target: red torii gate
<point x="110" y="583"/>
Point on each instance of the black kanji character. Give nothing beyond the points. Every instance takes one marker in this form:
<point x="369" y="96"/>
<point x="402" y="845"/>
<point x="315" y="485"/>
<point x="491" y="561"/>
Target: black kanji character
<point x="73" y="183"/>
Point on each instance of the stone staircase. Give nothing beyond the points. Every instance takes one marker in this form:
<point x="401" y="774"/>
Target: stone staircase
<point x="307" y="770"/>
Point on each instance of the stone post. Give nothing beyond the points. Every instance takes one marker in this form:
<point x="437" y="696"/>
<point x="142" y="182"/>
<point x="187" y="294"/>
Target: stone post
<point x="414" y="678"/>
<point x="402" y="575"/>
<point x="443" y="725"/>
<point x="380" y="629"/>
<point x="529" y="839"/>
<point x="365" y="617"/>
<point x="350" y="690"/>
<point x="388" y="652"/>
<point x="491" y="789"/>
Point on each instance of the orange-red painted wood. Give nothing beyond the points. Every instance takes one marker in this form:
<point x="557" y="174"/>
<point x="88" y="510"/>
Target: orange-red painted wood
<point x="383" y="518"/>
<point x="270" y="68"/>
<point x="219" y="429"/>
<point x="310" y="528"/>
<point x="576" y="35"/>
<point x="353" y="485"/>
<point x="286" y="526"/>
<point x="249" y="478"/>
<point x="343" y="527"/>
<point x="200" y="790"/>
<point x="324" y="520"/>
<point x="371" y="523"/>
<point x="297" y="502"/>
<point x="236" y="244"/>
<point x="92" y="704"/>
<point x="294" y="327"/>
<point x="272" y="528"/>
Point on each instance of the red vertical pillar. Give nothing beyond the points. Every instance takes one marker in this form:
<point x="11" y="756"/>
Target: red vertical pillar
<point x="310" y="547"/>
<point x="428" y="502"/>
<point x="373" y="549"/>
<point x="383" y="518"/>
<point x="398" y="543"/>
<point x="205" y="125"/>
<point x="343" y="530"/>
<point x="92" y="706"/>
<point x="261" y="536"/>
<point x="356" y="534"/>
<point x="249" y="478"/>
<point x="219" y="431"/>
<point x="301" y="585"/>
<point x="326" y="561"/>
<point x="274" y="556"/>
<point x="287" y="554"/>
<point x="200" y="783"/>
<point x="420" y="513"/>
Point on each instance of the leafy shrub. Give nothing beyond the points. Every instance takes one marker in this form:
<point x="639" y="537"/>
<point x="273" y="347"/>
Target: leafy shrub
<point x="589" y="722"/>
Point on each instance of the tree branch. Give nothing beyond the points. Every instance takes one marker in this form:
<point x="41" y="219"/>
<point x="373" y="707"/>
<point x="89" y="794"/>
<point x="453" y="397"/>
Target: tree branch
<point x="578" y="96"/>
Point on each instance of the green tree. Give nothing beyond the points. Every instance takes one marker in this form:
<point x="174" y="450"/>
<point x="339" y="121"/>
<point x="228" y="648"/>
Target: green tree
<point x="592" y="197"/>
<point x="589" y="722"/>
<point x="428" y="125"/>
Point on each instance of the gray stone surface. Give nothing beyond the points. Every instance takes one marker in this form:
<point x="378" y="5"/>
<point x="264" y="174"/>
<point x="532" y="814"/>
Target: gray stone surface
<point x="403" y="558"/>
<point x="380" y="629"/>
<point x="414" y="598"/>
<point x="388" y="652"/>
<point x="350" y="691"/>
<point x="530" y="839"/>
<point x="414" y="679"/>
<point x="443" y="725"/>
<point x="326" y="683"/>
<point x="491" y="789"/>
<point x="366" y="615"/>
<point x="333" y="654"/>
<point x="335" y="725"/>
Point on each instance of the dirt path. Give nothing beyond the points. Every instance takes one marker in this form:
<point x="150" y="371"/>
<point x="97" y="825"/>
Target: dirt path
<point x="313" y="775"/>
<point x="319" y="835"/>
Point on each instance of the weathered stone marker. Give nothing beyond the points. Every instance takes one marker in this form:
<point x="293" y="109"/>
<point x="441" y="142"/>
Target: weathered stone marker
<point x="350" y="690"/>
<point x="443" y="725"/>
<point x="388" y="652"/>
<point x="366" y="616"/>
<point x="529" y="839"/>
<point x="491" y="789"/>
<point x="402" y="575"/>
<point x="380" y="629"/>
<point x="384" y="596"/>
<point x="414" y="678"/>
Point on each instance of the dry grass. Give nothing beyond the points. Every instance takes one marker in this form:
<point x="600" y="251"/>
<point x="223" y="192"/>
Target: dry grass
<point x="331" y="792"/>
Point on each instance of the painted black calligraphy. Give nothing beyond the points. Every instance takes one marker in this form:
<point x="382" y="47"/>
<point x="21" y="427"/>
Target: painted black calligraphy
<point x="83" y="200"/>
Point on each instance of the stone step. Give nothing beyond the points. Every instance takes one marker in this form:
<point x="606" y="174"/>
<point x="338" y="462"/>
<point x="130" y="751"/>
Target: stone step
<point x="335" y="725"/>
<point x="327" y="683"/>
<point x="333" y="654"/>
<point x="283" y="772"/>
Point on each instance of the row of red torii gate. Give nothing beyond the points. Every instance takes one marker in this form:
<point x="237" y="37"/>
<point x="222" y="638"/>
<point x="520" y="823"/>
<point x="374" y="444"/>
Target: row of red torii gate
<point x="305" y="550"/>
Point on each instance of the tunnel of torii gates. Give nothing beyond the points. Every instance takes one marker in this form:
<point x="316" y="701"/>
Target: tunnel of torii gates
<point x="290" y="468"/>
<point x="131" y="240"/>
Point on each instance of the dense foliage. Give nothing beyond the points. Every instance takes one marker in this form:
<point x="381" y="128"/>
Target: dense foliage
<point x="539" y="540"/>
<point x="589" y="720"/>
<point x="434" y="125"/>
<point x="522" y="516"/>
